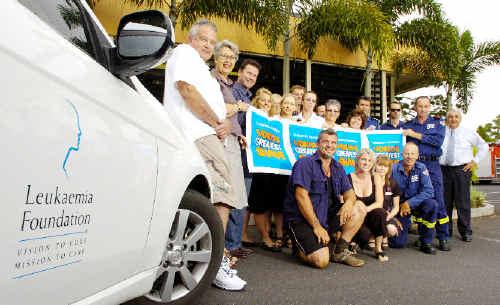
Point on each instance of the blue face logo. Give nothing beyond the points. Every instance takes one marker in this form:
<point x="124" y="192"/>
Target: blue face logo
<point x="72" y="148"/>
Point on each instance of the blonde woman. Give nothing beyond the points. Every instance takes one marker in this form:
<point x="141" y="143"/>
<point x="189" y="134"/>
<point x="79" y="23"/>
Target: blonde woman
<point x="369" y="190"/>
<point x="260" y="199"/>
<point x="262" y="100"/>
<point x="287" y="107"/>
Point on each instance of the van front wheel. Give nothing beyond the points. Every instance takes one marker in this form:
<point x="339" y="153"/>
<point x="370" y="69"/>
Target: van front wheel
<point x="193" y="252"/>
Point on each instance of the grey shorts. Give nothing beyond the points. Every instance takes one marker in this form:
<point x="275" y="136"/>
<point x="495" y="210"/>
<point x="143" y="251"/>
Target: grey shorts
<point x="212" y="152"/>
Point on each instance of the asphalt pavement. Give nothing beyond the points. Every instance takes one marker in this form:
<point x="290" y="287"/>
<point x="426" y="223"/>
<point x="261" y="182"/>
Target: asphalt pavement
<point x="468" y="274"/>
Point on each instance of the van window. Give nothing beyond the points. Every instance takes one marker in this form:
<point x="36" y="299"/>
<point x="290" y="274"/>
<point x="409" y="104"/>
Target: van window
<point x="65" y="17"/>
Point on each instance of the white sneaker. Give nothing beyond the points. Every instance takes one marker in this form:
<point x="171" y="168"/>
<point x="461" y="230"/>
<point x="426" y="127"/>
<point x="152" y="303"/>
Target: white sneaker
<point x="227" y="278"/>
<point x="226" y="264"/>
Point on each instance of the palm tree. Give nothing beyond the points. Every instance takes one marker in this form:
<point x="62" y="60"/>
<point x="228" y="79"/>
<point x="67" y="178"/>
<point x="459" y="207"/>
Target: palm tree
<point x="393" y="10"/>
<point x="474" y="59"/>
<point x="456" y="67"/>
<point x="353" y="23"/>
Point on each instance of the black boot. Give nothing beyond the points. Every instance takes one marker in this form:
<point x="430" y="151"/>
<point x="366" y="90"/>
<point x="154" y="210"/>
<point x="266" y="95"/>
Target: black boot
<point x="443" y="245"/>
<point x="427" y="248"/>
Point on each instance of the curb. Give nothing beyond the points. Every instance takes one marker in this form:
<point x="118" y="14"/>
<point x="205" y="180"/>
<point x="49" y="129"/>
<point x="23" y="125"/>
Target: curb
<point x="487" y="210"/>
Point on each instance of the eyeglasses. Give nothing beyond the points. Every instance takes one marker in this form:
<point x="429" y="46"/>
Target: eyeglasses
<point x="332" y="110"/>
<point x="396" y="110"/>
<point x="228" y="57"/>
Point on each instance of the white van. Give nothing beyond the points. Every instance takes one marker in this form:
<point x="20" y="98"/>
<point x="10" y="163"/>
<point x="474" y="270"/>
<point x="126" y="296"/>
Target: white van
<point x="103" y="200"/>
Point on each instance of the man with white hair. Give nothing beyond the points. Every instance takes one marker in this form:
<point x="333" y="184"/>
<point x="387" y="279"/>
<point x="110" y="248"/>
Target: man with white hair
<point x="457" y="162"/>
<point x="194" y="101"/>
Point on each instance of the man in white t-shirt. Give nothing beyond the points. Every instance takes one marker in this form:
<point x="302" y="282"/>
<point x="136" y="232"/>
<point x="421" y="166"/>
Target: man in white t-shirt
<point x="307" y="115"/>
<point x="194" y="101"/>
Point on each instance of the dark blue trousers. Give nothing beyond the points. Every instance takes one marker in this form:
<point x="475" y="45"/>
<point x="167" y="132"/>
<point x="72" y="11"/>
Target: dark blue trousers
<point x="442" y="221"/>
<point x="425" y="215"/>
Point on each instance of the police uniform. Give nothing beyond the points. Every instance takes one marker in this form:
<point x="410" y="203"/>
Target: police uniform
<point x="371" y="122"/>
<point x="388" y="126"/>
<point x="416" y="188"/>
<point x="429" y="147"/>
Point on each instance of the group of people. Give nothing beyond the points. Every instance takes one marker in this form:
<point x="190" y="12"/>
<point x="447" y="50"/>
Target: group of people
<point x="322" y="213"/>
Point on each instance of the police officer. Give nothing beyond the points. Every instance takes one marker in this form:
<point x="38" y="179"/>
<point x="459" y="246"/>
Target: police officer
<point x="394" y="122"/>
<point x="417" y="198"/>
<point x="428" y="133"/>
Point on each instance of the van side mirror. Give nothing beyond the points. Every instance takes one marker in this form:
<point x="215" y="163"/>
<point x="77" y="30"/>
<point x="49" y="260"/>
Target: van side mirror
<point x="143" y="41"/>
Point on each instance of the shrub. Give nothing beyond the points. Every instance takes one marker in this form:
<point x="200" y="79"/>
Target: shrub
<point x="477" y="198"/>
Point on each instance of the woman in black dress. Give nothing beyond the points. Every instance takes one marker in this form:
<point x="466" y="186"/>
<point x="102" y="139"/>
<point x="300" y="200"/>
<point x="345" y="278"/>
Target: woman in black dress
<point x="392" y="193"/>
<point x="369" y="190"/>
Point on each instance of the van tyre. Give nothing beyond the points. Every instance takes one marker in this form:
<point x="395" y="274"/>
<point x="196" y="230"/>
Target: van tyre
<point x="193" y="253"/>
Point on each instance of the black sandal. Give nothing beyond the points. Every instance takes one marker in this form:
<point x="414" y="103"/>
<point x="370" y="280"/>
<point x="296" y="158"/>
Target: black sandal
<point x="272" y="248"/>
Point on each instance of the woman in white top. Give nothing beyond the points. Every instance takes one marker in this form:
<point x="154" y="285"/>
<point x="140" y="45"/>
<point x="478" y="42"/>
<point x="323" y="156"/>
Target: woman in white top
<point x="261" y="197"/>
<point x="332" y="112"/>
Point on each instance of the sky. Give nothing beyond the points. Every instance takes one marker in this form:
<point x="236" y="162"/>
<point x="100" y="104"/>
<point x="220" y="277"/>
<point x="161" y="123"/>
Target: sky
<point x="482" y="19"/>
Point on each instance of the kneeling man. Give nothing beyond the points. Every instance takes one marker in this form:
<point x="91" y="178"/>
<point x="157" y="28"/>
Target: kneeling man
<point x="417" y="197"/>
<point x="321" y="202"/>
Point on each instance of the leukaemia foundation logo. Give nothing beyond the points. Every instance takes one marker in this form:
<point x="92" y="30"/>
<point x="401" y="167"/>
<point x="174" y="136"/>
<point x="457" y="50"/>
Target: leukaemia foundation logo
<point x="72" y="148"/>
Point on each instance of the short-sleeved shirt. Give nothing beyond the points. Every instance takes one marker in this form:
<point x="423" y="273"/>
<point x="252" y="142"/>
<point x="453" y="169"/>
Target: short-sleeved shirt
<point x="388" y="126"/>
<point x="432" y="131"/>
<point x="416" y="186"/>
<point x="371" y="122"/>
<point x="308" y="174"/>
<point x="185" y="64"/>
<point x="226" y="86"/>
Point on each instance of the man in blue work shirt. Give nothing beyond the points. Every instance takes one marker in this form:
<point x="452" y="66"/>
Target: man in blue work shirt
<point x="394" y="121"/>
<point x="236" y="235"/>
<point x="417" y="195"/>
<point x="365" y="103"/>
<point x="428" y="133"/>
<point x="313" y="211"/>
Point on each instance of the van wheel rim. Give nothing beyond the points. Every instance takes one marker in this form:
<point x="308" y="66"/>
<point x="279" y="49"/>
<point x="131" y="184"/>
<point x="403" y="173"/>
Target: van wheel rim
<point x="186" y="258"/>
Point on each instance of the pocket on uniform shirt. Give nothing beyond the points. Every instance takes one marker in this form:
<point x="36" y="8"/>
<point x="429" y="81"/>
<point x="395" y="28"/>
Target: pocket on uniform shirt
<point x="318" y="187"/>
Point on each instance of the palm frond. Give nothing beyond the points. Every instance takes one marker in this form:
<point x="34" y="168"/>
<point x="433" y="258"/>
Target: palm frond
<point x="439" y="39"/>
<point x="419" y="63"/>
<point x="149" y="3"/>
<point x="395" y="8"/>
<point x="269" y="18"/>
<point x="352" y="23"/>
<point x="484" y="55"/>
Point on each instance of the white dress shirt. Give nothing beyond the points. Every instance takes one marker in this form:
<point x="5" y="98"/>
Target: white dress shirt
<point x="465" y="139"/>
<point x="314" y="121"/>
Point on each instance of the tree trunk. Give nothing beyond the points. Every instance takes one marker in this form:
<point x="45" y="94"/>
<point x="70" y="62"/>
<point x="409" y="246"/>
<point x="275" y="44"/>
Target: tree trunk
<point x="449" y="95"/>
<point x="173" y="13"/>
<point x="368" y="74"/>
<point x="308" y="74"/>
<point x="286" y="63"/>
